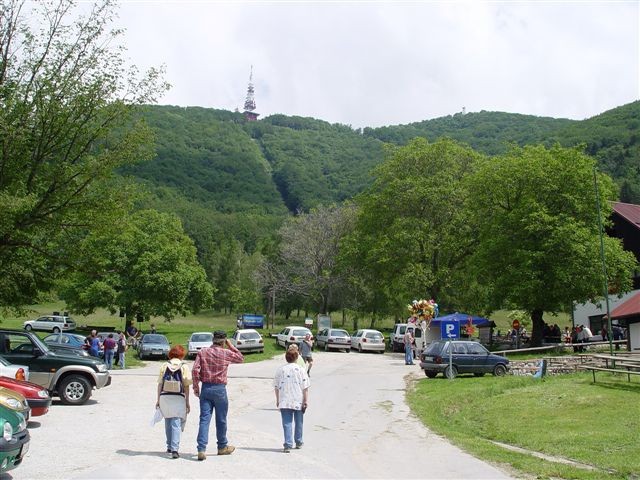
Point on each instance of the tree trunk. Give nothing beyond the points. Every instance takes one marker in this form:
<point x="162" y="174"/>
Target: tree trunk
<point x="344" y="317"/>
<point x="537" y="327"/>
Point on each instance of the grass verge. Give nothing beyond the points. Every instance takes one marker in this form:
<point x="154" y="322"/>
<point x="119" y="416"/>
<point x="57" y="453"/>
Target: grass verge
<point x="564" y="416"/>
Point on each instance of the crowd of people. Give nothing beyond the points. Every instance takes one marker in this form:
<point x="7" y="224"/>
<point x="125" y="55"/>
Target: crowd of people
<point x="208" y="379"/>
<point x="113" y="348"/>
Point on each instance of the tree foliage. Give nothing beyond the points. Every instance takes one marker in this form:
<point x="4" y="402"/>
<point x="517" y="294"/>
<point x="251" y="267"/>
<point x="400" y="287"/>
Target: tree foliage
<point x="145" y="266"/>
<point x="412" y="237"/>
<point x="65" y="125"/>
<point x="538" y="248"/>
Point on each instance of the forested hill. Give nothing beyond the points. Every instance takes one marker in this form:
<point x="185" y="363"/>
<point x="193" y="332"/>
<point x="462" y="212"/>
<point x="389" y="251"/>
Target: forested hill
<point x="214" y="161"/>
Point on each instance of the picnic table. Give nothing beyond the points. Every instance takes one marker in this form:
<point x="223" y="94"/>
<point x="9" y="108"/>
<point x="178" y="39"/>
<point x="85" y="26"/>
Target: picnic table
<point x="630" y="363"/>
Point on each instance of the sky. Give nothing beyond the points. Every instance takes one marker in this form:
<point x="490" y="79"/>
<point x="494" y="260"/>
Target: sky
<point x="375" y="63"/>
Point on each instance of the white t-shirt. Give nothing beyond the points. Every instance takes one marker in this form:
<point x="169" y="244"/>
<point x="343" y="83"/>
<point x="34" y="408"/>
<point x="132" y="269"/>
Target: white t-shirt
<point x="291" y="380"/>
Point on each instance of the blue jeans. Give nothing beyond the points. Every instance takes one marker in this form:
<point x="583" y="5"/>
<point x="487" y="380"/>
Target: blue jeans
<point x="213" y="396"/>
<point x="121" y="360"/>
<point x="408" y="354"/>
<point x="108" y="358"/>
<point x="288" y="416"/>
<point x="173" y="428"/>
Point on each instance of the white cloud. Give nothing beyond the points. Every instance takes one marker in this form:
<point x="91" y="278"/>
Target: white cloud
<point x="382" y="63"/>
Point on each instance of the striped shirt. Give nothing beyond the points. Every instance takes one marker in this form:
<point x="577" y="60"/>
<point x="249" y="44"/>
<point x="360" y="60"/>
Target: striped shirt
<point x="212" y="363"/>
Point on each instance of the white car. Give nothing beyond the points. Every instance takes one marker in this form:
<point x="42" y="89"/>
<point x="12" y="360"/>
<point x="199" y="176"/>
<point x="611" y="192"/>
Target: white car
<point x="51" y="323"/>
<point x="197" y="341"/>
<point x="247" y="340"/>
<point x="368" y="340"/>
<point x="12" y="370"/>
<point x="334" y="338"/>
<point x="291" y="335"/>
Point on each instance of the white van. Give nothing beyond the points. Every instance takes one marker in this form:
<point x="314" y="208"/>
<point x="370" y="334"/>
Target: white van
<point x="396" y="339"/>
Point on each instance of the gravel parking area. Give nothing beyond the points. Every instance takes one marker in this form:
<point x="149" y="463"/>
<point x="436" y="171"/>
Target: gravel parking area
<point x="357" y="426"/>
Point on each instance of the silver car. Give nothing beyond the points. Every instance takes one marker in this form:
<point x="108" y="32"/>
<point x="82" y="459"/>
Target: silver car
<point x="334" y="338"/>
<point x="291" y="335"/>
<point x="153" y="345"/>
<point x="248" y="340"/>
<point x="197" y="341"/>
<point x="368" y="340"/>
<point x="51" y="323"/>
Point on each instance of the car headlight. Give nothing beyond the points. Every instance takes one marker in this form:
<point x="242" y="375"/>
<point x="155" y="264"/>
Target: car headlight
<point x="43" y="394"/>
<point x="102" y="367"/>
<point x="12" y="403"/>
<point x="7" y="431"/>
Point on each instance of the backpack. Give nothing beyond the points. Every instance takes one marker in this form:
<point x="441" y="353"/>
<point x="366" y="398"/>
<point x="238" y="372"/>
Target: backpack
<point x="172" y="381"/>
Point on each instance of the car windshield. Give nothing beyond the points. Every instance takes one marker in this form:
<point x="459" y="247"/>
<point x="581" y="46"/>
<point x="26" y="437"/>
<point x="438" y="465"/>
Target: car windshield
<point x="434" y="349"/>
<point x="155" y="339"/>
<point x="41" y="345"/>
<point x="201" y="337"/>
<point x="339" y="333"/>
<point x="250" y="336"/>
<point x="300" y="333"/>
<point x="374" y="335"/>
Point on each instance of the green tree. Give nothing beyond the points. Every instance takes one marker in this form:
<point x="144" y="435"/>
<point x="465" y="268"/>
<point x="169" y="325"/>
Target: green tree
<point x="535" y="211"/>
<point x="65" y="124"/>
<point x="412" y="237"/>
<point x="146" y="266"/>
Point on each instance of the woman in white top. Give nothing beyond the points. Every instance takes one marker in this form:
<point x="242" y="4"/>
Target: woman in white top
<point x="291" y="385"/>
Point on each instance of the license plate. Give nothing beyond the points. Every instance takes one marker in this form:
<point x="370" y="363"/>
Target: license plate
<point x="157" y="352"/>
<point x="24" y="450"/>
<point x="428" y="359"/>
<point x="250" y="341"/>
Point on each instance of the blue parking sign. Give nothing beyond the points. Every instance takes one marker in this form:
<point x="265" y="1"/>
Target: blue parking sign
<point x="450" y="329"/>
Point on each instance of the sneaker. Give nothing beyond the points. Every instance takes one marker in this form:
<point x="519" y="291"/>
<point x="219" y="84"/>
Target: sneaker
<point x="299" y="446"/>
<point x="201" y="456"/>
<point x="228" y="450"/>
<point x="175" y="454"/>
<point x="286" y="450"/>
<point x="168" y="450"/>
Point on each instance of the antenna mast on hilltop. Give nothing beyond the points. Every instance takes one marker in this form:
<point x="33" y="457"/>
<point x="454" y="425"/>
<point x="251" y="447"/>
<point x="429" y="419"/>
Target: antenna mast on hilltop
<point x="250" y="102"/>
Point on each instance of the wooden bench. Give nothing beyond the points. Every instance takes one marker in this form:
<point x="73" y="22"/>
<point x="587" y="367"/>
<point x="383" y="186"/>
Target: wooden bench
<point x="626" y="372"/>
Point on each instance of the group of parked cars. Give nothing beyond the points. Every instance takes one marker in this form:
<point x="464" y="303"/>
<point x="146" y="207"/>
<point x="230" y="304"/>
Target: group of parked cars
<point x="33" y="370"/>
<point x="334" y="339"/>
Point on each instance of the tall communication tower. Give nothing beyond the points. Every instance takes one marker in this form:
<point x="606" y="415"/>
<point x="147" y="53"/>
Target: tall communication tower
<point x="250" y="101"/>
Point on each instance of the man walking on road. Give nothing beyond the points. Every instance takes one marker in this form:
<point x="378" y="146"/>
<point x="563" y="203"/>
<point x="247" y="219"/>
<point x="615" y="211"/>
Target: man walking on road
<point x="210" y="368"/>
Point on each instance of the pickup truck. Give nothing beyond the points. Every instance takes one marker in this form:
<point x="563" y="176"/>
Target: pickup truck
<point x="70" y="377"/>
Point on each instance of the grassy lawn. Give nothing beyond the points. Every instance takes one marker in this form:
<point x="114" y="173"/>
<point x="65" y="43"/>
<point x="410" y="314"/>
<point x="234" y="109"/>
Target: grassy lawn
<point x="563" y="416"/>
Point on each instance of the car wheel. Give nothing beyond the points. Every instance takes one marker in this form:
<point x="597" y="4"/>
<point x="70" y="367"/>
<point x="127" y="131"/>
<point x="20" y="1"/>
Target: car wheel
<point x="478" y="374"/>
<point x="500" y="370"/>
<point x="28" y="328"/>
<point x="56" y="330"/>
<point x="360" y="348"/>
<point x="451" y="372"/>
<point x="326" y="347"/>
<point x="74" y="390"/>
<point x="430" y="374"/>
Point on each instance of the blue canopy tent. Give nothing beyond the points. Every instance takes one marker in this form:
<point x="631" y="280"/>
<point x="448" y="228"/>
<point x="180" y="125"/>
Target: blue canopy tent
<point x="463" y="318"/>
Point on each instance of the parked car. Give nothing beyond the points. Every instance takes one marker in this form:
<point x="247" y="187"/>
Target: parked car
<point x="198" y="340"/>
<point x="248" y="340"/>
<point x="70" y="377"/>
<point x="103" y="336"/>
<point x="51" y="323"/>
<point x="153" y="345"/>
<point x="291" y="335"/>
<point x="334" y="338"/>
<point x="368" y="340"/>
<point x="14" y="442"/>
<point x="67" y="343"/>
<point x="19" y="372"/>
<point x="466" y="357"/>
<point x="15" y="401"/>
<point x="37" y="396"/>
<point x="396" y="339"/>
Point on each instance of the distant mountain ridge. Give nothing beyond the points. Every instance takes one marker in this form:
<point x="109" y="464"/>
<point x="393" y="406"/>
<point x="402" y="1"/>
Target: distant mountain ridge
<point x="242" y="177"/>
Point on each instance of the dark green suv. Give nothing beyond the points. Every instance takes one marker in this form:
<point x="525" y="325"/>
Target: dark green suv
<point x="70" y="377"/>
<point x="14" y="439"/>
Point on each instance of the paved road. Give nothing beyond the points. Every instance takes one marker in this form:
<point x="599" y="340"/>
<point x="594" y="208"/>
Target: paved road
<point x="357" y="426"/>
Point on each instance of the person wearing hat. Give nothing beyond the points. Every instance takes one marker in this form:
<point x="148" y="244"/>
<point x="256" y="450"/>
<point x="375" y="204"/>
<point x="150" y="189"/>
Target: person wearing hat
<point x="210" y="369"/>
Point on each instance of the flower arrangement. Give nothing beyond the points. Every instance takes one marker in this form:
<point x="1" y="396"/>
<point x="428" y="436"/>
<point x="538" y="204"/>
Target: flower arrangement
<point x="423" y="310"/>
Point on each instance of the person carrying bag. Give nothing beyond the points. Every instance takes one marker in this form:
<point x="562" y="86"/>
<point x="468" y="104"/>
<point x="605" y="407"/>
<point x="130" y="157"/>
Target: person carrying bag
<point x="173" y="397"/>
